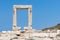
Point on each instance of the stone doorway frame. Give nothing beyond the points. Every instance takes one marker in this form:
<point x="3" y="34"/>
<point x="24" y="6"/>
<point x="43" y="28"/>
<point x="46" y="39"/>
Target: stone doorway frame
<point x="29" y="7"/>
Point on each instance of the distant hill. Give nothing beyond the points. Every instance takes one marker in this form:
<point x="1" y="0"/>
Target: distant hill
<point x="54" y="27"/>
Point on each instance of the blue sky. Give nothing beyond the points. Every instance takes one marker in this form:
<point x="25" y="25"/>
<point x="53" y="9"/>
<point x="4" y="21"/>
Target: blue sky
<point x="45" y="13"/>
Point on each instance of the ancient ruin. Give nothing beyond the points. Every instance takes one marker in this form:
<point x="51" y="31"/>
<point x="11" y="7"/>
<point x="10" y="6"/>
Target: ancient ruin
<point x="28" y="33"/>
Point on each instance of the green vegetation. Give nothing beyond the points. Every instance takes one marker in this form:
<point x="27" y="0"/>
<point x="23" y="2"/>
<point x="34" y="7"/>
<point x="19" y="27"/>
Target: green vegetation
<point x="52" y="28"/>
